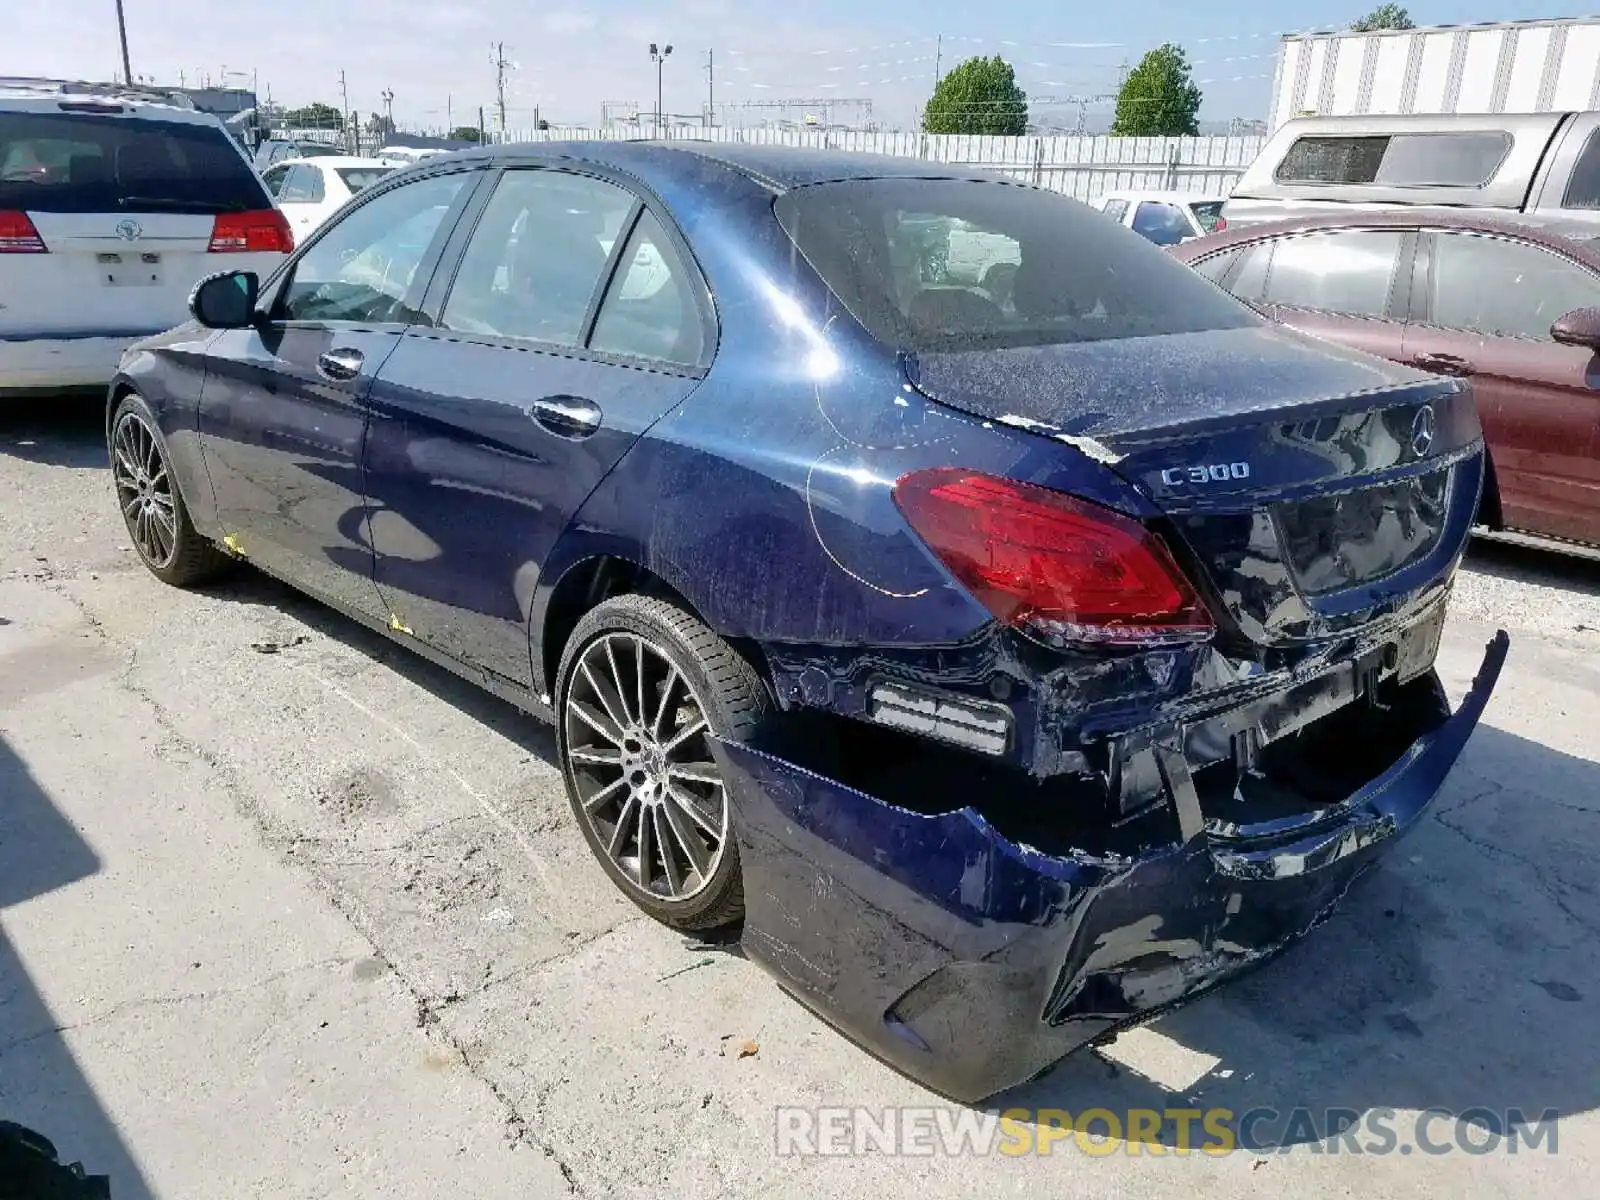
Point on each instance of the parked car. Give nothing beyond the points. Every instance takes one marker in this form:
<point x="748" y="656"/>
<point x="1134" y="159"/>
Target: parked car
<point x="1165" y="218"/>
<point x="271" y="152"/>
<point x="113" y="204"/>
<point x="1011" y="670"/>
<point x="406" y="155"/>
<point x="1511" y="306"/>
<point x="1545" y="165"/>
<point x="309" y="191"/>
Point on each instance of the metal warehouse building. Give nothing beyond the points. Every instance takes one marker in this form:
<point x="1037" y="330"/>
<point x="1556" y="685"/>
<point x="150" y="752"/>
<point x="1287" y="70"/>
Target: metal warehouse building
<point x="1511" y="66"/>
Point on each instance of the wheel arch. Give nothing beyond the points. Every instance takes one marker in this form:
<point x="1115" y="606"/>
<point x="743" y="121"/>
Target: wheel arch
<point x="1489" y="511"/>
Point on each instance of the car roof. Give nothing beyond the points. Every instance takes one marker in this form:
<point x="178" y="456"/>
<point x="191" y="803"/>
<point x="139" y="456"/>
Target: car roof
<point x="779" y="168"/>
<point x="1175" y="197"/>
<point x="18" y="99"/>
<point x="1551" y="236"/>
<point x="336" y="160"/>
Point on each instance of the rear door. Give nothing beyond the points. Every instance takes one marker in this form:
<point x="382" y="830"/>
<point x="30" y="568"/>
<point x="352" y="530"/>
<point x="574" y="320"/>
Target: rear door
<point x="1484" y="307"/>
<point x="301" y="197"/>
<point x="281" y="418"/>
<point x="1343" y="285"/>
<point x="490" y="429"/>
<point x="125" y="199"/>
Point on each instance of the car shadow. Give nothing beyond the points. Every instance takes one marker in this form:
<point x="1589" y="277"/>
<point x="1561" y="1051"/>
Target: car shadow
<point x="42" y="1087"/>
<point x="1527" y="564"/>
<point x="1456" y="977"/>
<point x="68" y="430"/>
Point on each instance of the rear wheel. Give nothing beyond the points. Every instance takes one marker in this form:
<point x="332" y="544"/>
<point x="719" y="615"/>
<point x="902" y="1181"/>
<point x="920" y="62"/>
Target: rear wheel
<point x="152" y="506"/>
<point x="642" y="688"/>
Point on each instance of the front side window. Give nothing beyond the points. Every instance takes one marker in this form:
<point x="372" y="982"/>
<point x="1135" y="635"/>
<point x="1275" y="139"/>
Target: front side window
<point x="1207" y="213"/>
<point x="1163" y="224"/>
<point x="1501" y="288"/>
<point x="1346" y="273"/>
<point x="650" y="310"/>
<point x="949" y="264"/>
<point x="1583" y="189"/>
<point x="536" y="259"/>
<point x="274" y="180"/>
<point x="363" y="267"/>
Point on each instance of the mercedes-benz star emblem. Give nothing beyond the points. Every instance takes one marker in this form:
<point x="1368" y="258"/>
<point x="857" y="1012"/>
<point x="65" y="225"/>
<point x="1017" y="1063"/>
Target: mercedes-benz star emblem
<point x="1422" y="431"/>
<point x="130" y="231"/>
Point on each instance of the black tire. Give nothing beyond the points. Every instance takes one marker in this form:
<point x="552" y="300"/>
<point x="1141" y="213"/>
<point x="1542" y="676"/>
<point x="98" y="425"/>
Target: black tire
<point x="735" y="705"/>
<point x="190" y="558"/>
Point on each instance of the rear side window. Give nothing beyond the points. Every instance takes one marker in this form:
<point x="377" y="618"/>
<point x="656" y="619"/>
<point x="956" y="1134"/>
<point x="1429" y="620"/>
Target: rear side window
<point x="1334" y="272"/>
<point x="1216" y="266"/>
<point x="1207" y="213"/>
<point x="1583" y="189"/>
<point x="1116" y="210"/>
<point x="302" y="185"/>
<point x="650" y="311"/>
<point x="77" y="163"/>
<point x="1399" y="160"/>
<point x="947" y="264"/>
<point x="359" y="178"/>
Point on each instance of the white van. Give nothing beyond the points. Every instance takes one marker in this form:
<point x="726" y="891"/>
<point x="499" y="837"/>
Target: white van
<point x="114" y="203"/>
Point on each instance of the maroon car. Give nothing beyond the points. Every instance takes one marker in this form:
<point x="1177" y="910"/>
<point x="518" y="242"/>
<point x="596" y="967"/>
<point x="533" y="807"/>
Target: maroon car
<point x="1516" y="307"/>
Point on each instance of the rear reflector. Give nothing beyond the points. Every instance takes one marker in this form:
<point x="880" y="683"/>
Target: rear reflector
<point x="264" y="231"/>
<point x="1062" y="568"/>
<point x="18" y="236"/>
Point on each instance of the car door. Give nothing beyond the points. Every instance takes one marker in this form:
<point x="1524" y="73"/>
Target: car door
<point x="281" y="418"/>
<point x="273" y="178"/>
<point x="490" y="429"/>
<point x="1343" y="285"/>
<point x="1484" y="306"/>
<point x="301" y="197"/>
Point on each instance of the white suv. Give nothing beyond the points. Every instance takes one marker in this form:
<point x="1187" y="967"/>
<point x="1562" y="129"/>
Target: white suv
<point x="114" y="203"/>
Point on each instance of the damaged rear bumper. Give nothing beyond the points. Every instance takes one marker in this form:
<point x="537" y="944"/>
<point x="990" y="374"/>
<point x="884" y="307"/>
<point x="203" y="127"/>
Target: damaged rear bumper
<point x="973" y="963"/>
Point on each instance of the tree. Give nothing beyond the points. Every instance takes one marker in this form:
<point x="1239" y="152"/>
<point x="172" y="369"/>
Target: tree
<point x="464" y="133"/>
<point x="1385" y="16"/>
<point x="314" y="116"/>
<point x="979" y="96"/>
<point x="1158" y="98"/>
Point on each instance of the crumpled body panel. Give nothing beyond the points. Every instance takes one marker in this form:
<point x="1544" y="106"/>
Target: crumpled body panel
<point x="973" y="963"/>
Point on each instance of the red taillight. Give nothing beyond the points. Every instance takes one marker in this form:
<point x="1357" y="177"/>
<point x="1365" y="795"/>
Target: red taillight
<point x="265" y="231"/>
<point x="1222" y="223"/>
<point x="1066" y="569"/>
<point x="18" y="236"/>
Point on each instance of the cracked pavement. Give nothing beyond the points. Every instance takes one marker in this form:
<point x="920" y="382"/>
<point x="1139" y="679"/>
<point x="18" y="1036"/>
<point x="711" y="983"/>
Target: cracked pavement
<point x="285" y="911"/>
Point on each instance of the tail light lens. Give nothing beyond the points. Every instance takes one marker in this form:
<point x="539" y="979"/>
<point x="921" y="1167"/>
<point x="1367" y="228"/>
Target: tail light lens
<point x="1061" y="568"/>
<point x="265" y="231"/>
<point x="18" y="236"/>
<point x="1222" y="223"/>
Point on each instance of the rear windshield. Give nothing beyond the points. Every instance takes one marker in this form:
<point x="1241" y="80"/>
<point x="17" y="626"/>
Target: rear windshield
<point x="73" y="163"/>
<point x="357" y="178"/>
<point x="1208" y="213"/>
<point x="950" y="265"/>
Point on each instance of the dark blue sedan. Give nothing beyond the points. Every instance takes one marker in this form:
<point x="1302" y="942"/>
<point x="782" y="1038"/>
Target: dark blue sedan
<point x="1017" y="634"/>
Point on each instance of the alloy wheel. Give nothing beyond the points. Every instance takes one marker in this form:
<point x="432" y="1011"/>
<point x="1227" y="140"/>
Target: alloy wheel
<point x="639" y="751"/>
<point x="144" y="490"/>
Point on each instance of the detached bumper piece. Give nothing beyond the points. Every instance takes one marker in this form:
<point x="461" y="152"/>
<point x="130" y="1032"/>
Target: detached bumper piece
<point x="973" y="963"/>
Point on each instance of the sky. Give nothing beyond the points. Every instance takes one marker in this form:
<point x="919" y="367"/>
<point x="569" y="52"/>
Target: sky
<point x="571" y="57"/>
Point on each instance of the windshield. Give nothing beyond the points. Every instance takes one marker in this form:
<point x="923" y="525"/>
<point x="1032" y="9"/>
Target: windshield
<point x="71" y="163"/>
<point x="359" y="178"/>
<point x="947" y="264"/>
<point x="1208" y="213"/>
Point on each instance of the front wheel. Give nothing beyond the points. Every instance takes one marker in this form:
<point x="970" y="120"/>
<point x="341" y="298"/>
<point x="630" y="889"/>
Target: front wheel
<point x="642" y="688"/>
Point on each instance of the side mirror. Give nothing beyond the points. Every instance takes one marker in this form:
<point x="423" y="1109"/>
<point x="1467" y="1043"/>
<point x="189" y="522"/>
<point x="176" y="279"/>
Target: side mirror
<point x="1581" y="327"/>
<point x="226" y="300"/>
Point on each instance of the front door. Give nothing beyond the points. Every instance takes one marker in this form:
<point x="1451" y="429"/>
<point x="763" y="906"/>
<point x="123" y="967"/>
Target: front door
<point x="282" y="417"/>
<point x="490" y="429"/>
<point x="1487" y="307"/>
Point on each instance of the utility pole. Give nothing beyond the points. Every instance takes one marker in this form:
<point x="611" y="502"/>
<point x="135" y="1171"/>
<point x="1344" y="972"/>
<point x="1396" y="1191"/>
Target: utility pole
<point x="122" y="34"/>
<point x="711" y="89"/>
<point x="500" y="65"/>
<point x="387" y="96"/>
<point x="659" y="57"/>
<point x="344" y="110"/>
<point x="481" y="131"/>
<point x="938" y="59"/>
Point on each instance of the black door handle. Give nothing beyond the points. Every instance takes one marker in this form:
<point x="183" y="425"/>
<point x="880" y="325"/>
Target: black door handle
<point x="1444" y="364"/>
<point x="568" y="416"/>
<point x="340" y="363"/>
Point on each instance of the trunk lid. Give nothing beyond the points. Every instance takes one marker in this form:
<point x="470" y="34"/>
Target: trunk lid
<point x="1312" y="489"/>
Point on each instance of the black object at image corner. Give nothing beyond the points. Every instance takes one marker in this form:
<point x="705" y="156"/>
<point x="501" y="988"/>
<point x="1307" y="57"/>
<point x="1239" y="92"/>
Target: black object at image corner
<point x="30" y="1170"/>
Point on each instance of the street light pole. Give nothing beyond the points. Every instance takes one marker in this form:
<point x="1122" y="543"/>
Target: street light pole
<point x="122" y="34"/>
<point x="659" y="57"/>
